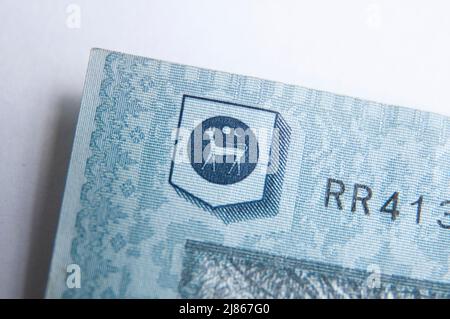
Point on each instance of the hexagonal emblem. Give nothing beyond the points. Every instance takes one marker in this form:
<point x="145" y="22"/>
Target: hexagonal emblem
<point x="229" y="159"/>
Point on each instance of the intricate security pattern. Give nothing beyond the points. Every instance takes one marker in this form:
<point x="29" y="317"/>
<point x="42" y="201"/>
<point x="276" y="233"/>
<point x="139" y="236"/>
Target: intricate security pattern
<point x="355" y="184"/>
<point x="214" y="271"/>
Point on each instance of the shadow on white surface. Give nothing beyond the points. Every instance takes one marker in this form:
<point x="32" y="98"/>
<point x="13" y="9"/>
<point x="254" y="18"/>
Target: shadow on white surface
<point x="51" y="185"/>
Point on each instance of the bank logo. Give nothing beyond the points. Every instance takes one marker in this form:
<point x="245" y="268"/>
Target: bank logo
<point x="223" y="150"/>
<point x="229" y="159"/>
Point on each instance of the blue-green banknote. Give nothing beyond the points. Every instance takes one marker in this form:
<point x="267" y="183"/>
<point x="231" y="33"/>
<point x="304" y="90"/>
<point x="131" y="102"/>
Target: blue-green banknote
<point x="193" y="183"/>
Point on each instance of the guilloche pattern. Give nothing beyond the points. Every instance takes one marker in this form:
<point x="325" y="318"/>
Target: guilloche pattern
<point x="364" y="186"/>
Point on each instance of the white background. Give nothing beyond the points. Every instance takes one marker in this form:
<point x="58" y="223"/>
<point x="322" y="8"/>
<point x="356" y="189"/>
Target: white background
<point x="390" y="51"/>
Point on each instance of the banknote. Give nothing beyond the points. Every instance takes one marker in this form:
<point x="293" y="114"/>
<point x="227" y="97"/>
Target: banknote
<point x="186" y="182"/>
